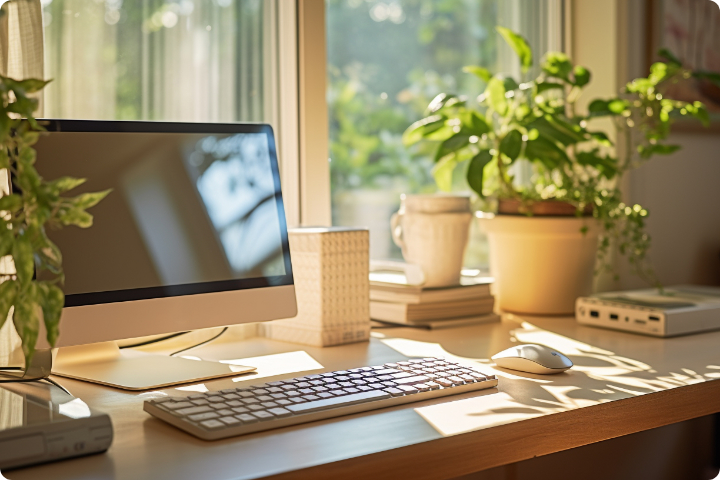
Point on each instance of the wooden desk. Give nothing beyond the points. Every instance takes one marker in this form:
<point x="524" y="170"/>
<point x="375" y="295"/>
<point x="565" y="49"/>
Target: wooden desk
<point x="621" y="384"/>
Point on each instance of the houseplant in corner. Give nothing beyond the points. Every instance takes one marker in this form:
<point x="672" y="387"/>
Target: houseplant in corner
<point x="545" y="237"/>
<point x="33" y="205"/>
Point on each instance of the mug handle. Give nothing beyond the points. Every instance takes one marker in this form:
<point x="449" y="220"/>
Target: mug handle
<point x="396" y="230"/>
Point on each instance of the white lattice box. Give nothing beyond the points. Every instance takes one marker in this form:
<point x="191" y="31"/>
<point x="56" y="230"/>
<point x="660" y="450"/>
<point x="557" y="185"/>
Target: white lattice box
<point x="330" y="269"/>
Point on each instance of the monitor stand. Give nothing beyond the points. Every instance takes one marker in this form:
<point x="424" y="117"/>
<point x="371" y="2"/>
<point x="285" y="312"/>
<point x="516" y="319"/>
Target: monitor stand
<point x="106" y="364"/>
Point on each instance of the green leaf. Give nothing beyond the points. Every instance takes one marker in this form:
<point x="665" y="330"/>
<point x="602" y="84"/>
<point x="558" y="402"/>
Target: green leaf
<point x="8" y="291"/>
<point x="26" y="321"/>
<point x="52" y="301"/>
<point x="669" y="56"/>
<point x="412" y="135"/>
<point x="495" y="95"/>
<point x="600" y="108"/>
<point x="519" y="45"/>
<point x="22" y="253"/>
<point x="601" y="138"/>
<point x="511" y="144"/>
<point x="510" y="84"/>
<point x="647" y="151"/>
<point x="442" y="171"/>
<point x="11" y="203"/>
<point x="88" y="200"/>
<point x="558" y="65"/>
<point x="444" y="100"/>
<point x="32" y="85"/>
<point x="27" y="155"/>
<point x="76" y="216"/>
<point x="475" y="170"/>
<point x="452" y="145"/>
<point x="545" y="151"/>
<point x="473" y="123"/>
<point x="4" y="157"/>
<point x="545" y="86"/>
<point x="581" y="75"/>
<point x="480" y="72"/>
<point x="606" y="165"/>
<point x="557" y="130"/>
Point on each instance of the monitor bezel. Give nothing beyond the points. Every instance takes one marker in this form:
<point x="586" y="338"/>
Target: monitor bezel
<point x="168" y="291"/>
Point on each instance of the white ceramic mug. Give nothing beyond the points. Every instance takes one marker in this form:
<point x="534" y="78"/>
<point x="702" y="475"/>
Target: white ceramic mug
<point x="432" y="231"/>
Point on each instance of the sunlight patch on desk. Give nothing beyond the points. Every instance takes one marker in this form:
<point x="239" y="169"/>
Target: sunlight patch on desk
<point x="470" y="414"/>
<point x="200" y="388"/>
<point x="416" y="348"/>
<point x="529" y="333"/>
<point x="277" y="364"/>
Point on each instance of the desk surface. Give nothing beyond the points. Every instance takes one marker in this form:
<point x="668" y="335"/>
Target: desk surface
<point x="621" y="384"/>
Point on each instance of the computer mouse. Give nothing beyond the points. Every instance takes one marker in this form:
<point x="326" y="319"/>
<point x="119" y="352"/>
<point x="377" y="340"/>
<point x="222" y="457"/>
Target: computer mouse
<point x="532" y="359"/>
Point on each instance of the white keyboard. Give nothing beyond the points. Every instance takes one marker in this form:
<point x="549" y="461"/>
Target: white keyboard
<point x="237" y="411"/>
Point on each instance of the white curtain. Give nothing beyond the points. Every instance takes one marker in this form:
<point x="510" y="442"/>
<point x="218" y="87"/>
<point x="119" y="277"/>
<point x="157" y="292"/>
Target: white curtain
<point x="21" y="56"/>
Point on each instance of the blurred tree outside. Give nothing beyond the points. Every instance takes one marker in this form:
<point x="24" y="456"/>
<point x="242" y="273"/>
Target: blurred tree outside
<point x="387" y="59"/>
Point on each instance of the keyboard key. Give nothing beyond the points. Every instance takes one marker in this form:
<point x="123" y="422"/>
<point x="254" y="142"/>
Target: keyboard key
<point x="215" y="399"/>
<point x="274" y="390"/>
<point x="387" y="371"/>
<point x="269" y="404"/>
<point x="201" y="401"/>
<point x="325" y="395"/>
<point x="337" y="392"/>
<point x="337" y="401"/>
<point x="411" y="380"/>
<point x="456" y="380"/>
<point x="307" y="391"/>
<point x="284" y="402"/>
<point x="177" y="405"/>
<point x="407" y="389"/>
<point x="255" y="407"/>
<point x="280" y="412"/>
<point x="225" y="412"/>
<point x="467" y="378"/>
<point x="212" y="424"/>
<point x="230" y="420"/>
<point x="313" y="377"/>
<point x="298" y="400"/>
<point x="199" y="417"/>
<point x="265" y="398"/>
<point x="422" y="387"/>
<point x="240" y="410"/>
<point x="249" y="401"/>
<point x="246" y="418"/>
<point x="278" y="395"/>
<point x="293" y="394"/>
<point x="231" y="396"/>
<point x="193" y="397"/>
<point x="275" y="384"/>
<point x="260" y="391"/>
<point x="263" y="415"/>
<point x="352" y="390"/>
<point x="234" y="403"/>
<point x="311" y="398"/>
<point x="288" y="388"/>
<point x="219" y="406"/>
<point x="245" y="394"/>
<point x="433" y="385"/>
<point x="395" y="392"/>
<point x="193" y="410"/>
<point x="332" y="386"/>
<point x="444" y="382"/>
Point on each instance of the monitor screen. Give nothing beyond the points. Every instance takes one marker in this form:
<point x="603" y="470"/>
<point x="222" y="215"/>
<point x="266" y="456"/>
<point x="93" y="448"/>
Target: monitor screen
<point x="194" y="208"/>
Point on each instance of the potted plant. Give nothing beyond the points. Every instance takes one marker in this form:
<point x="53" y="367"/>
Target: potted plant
<point x="552" y="177"/>
<point x="32" y="206"/>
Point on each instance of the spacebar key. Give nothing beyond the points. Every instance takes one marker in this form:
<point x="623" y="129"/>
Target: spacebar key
<point x="318" y="405"/>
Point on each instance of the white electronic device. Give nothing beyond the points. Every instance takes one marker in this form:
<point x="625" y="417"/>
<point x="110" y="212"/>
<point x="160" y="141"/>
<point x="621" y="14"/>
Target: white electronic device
<point x="677" y="310"/>
<point x="33" y="430"/>
<point x="532" y="359"/>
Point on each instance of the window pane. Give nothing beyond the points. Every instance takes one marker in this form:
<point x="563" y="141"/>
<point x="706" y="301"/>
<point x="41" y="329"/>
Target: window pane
<point x="386" y="60"/>
<point x="177" y="60"/>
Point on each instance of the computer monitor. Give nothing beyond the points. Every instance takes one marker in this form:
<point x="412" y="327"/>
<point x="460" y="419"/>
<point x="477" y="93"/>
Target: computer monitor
<point x="193" y="235"/>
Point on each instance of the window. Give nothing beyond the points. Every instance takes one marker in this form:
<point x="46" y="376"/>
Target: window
<point x="386" y="60"/>
<point x="178" y="60"/>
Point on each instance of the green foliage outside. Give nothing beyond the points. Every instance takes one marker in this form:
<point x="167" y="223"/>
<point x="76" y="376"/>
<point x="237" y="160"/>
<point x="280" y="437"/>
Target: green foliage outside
<point x="534" y="120"/>
<point x="34" y="205"/>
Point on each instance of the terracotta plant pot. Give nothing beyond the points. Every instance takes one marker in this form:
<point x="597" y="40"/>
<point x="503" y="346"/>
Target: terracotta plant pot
<point x="541" y="263"/>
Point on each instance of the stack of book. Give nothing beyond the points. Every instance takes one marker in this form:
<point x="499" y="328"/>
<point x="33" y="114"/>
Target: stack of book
<point x="393" y="301"/>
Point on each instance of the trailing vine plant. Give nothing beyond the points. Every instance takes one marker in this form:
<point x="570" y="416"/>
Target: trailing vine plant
<point x="26" y="210"/>
<point x="534" y="123"/>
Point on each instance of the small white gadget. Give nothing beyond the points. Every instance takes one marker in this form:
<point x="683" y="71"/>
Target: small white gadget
<point x="532" y="359"/>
